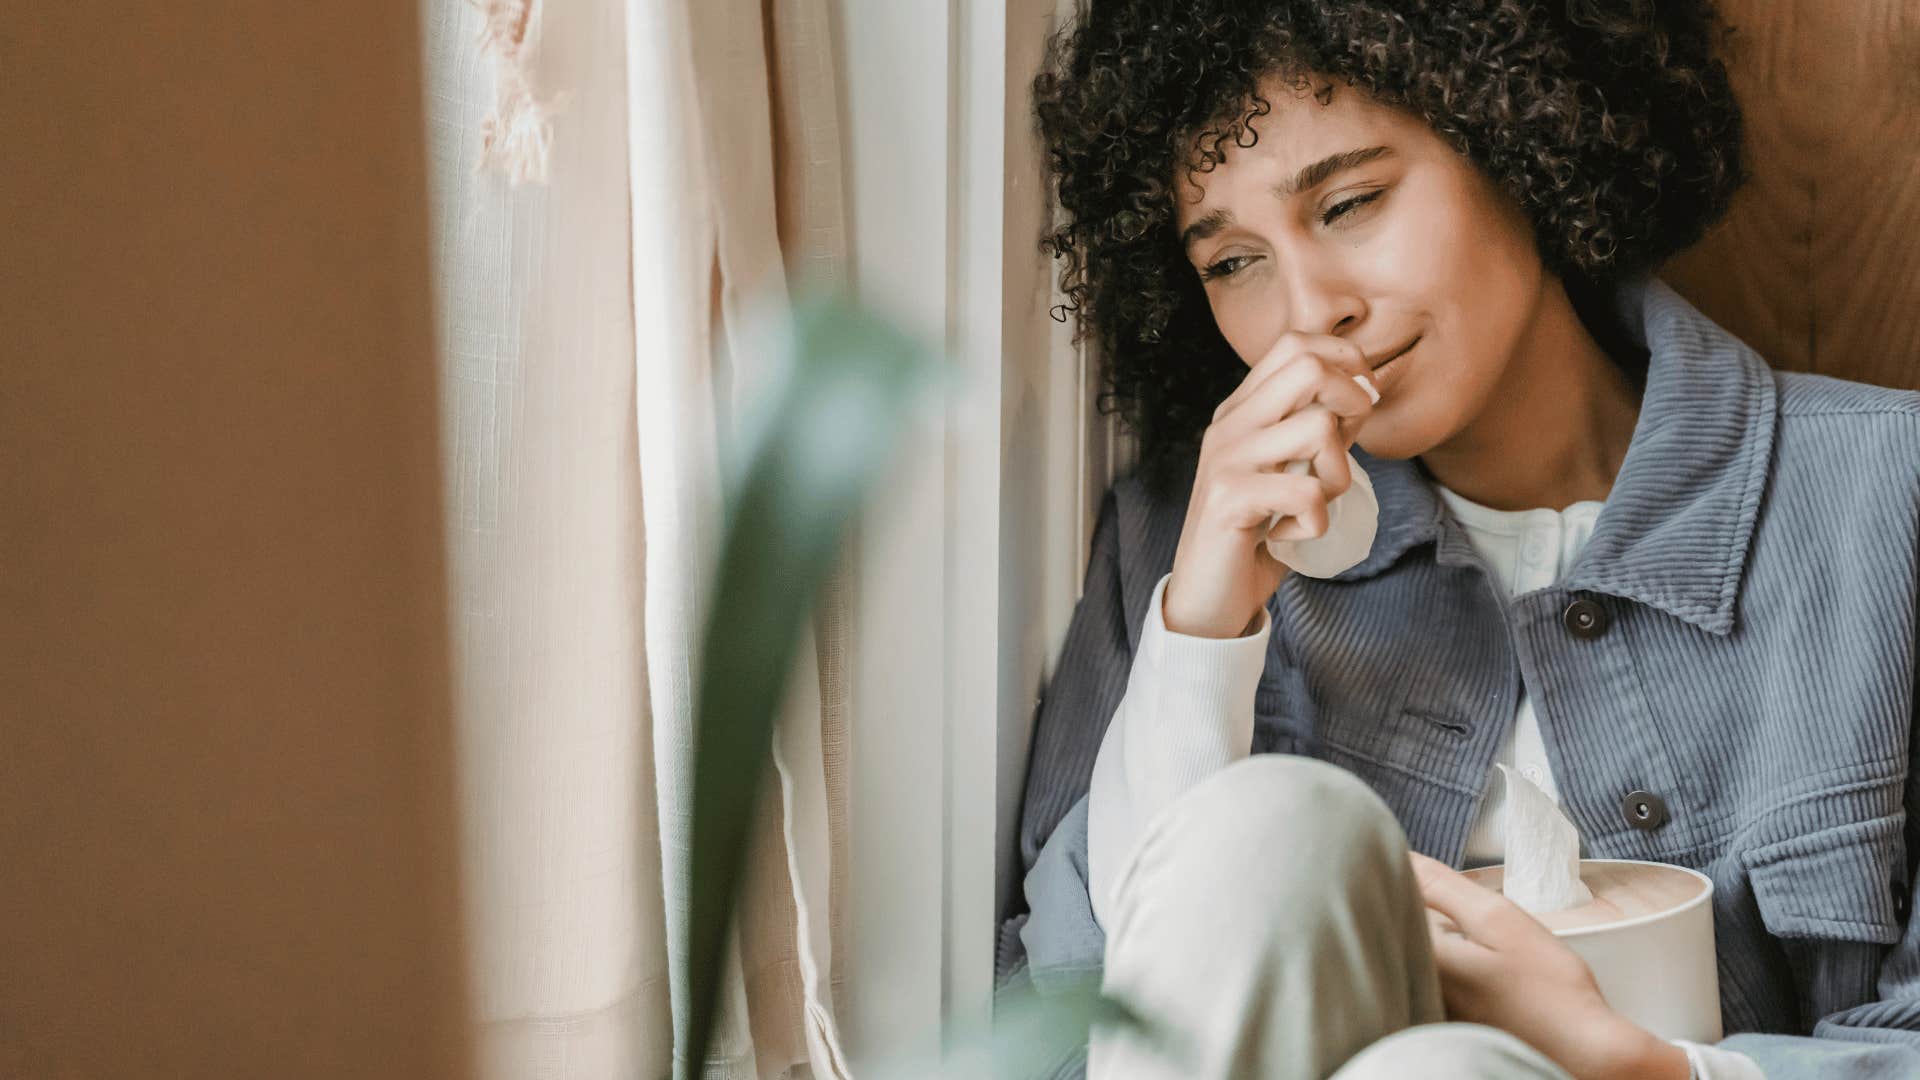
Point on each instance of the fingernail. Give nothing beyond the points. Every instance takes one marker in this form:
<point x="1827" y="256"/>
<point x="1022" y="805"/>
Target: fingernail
<point x="1366" y="384"/>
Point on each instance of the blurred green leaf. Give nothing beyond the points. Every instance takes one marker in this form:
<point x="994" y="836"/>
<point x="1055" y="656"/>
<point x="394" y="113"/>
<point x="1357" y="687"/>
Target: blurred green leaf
<point x="1033" y="1032"/>
<point x="1031" y="1035"/>
<point x="814" y="445"/>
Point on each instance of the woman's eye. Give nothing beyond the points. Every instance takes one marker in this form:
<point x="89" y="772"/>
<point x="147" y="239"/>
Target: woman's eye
<point x="1224" y="267"/>
<point x="1340" y="210"/>
<point x="1233" y="264"/>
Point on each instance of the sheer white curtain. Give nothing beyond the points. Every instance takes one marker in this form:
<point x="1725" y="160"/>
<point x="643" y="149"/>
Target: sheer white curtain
<point x="692" y="163"/>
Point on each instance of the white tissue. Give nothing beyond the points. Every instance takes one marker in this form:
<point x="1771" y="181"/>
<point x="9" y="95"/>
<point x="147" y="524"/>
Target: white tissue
<point x="1353" y="518"/>
<point x="1543" y="849"/>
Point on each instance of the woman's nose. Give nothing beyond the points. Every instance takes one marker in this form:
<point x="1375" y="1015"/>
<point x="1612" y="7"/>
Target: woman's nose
<point x="1325" y="307"/>
<point x="1321" y="298"/>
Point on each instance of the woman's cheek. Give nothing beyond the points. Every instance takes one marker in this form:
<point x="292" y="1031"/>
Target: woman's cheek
<point x="1234" y="328"/>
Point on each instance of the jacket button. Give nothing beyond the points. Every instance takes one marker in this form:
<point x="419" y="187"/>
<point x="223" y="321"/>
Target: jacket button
<point x="1902" y="900"/>
<point x="1585" y="618"/>
<point x="1644" y="810"/>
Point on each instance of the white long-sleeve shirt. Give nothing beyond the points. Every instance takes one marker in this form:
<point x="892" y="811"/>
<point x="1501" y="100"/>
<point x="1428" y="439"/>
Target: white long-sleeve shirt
<point x="1188" y="712"/>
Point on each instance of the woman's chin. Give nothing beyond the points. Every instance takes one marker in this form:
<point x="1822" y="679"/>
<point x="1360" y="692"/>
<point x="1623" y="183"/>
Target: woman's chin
<point x="1389" y="439"/>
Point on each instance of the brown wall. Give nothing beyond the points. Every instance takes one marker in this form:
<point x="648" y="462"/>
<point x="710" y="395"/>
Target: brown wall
<point x="1818" y="266"/>
<point x="226" y="833"/>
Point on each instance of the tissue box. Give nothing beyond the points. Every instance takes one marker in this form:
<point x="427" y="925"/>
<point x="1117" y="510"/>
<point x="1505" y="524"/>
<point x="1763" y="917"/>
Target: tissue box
<point x="1648" y="936"/>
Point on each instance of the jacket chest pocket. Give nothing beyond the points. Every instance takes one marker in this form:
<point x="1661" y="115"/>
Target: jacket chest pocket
<point x="1834" y="900"/>
<point x="1845" y="883"/>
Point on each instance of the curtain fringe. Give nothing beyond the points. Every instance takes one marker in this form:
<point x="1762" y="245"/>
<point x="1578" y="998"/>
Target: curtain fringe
<point x="516" y="138"/>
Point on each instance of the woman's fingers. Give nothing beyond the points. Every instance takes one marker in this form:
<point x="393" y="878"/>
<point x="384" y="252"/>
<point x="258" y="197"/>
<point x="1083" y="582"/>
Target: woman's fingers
<point x="1306" y="524"/>
<point x="1310" y="382"/>
<point x="1439" y="926"/>
<point x="1426" y="864"/>
<point x="1336" y="351"/>
<point x="1262" y="400"/>
<point x="1311" y="435"/>
<point x="1330" y="466"/>
<point x="1294" y="497"/>
<point x="1482" y="914"/>
<point x="1295" y="362"/>
<point x="1294" y="414"/>
<point x="1456" y="954"/>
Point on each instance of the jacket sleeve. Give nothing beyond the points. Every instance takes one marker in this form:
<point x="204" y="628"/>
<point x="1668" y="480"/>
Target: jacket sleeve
<point x="1870" y="1041"/>
<point x="1081" y="695"/>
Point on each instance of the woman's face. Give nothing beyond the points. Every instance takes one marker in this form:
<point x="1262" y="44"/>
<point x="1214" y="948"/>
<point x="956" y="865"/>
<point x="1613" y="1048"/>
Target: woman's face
<point x="1402" y="241"/>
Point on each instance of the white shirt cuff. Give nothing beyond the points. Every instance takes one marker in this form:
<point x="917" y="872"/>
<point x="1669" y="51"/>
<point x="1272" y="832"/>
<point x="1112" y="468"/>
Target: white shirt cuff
<point x="1194" y="699"/>
<point x="1715" y="1063"/>
<point x="1187" y="713"/>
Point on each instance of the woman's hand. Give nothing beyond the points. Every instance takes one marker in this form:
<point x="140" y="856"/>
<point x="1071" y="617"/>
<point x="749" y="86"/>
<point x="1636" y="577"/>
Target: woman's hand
<point x="1500" y="967"/>
<point x="1299" y="403"/>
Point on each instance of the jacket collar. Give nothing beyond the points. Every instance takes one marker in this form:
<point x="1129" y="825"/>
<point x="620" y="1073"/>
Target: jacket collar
<point x="1676" y="527"/>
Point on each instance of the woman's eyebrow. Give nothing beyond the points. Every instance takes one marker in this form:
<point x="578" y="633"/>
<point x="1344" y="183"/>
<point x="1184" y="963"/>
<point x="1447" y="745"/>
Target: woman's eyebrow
<point x="1210" y="223"/>
<point x="1327" y="167"/>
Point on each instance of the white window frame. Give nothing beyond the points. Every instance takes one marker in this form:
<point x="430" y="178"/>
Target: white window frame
<point x="970" y="562"/>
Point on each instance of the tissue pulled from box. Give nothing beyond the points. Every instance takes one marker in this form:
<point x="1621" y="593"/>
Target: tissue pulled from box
<point x="1543" y="849"/>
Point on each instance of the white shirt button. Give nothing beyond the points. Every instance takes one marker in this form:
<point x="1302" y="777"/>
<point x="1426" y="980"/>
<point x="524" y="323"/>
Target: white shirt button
<point x="1534" y="773"/>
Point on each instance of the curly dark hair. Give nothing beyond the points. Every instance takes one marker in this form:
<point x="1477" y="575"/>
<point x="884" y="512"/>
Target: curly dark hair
<point x="1612" y="124"/>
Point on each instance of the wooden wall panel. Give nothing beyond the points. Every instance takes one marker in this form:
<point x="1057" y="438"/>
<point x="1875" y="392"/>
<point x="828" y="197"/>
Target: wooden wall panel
<point x="1866" y="221"/>
<point x="1817" y="265"/>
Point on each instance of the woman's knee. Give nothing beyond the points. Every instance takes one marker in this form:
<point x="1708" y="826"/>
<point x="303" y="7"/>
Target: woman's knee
<point x="1274" y="802"/>
<point x="1276" y="822"/>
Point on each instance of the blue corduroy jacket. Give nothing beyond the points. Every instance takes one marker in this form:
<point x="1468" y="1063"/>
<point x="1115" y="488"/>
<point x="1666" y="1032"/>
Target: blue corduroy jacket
<point x="1736" y="640"/>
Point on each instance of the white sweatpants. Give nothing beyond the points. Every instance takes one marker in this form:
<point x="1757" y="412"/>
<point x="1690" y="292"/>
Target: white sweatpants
<point x="1268" y="924"/>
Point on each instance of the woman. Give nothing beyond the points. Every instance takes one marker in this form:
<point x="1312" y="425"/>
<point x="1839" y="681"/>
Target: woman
<point x="1616" y="552"/>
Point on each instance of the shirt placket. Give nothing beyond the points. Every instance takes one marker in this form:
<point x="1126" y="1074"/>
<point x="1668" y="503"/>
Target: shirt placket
<point x="1542" y="548"/>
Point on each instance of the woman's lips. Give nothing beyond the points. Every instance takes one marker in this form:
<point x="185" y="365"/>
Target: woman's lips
<point x="1404" y="351"/>
<point x="1392" y="364"/>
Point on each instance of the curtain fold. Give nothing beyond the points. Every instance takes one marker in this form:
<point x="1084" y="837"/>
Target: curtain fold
<point x="709" y="264"/>
<point x="594" y="361"/>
